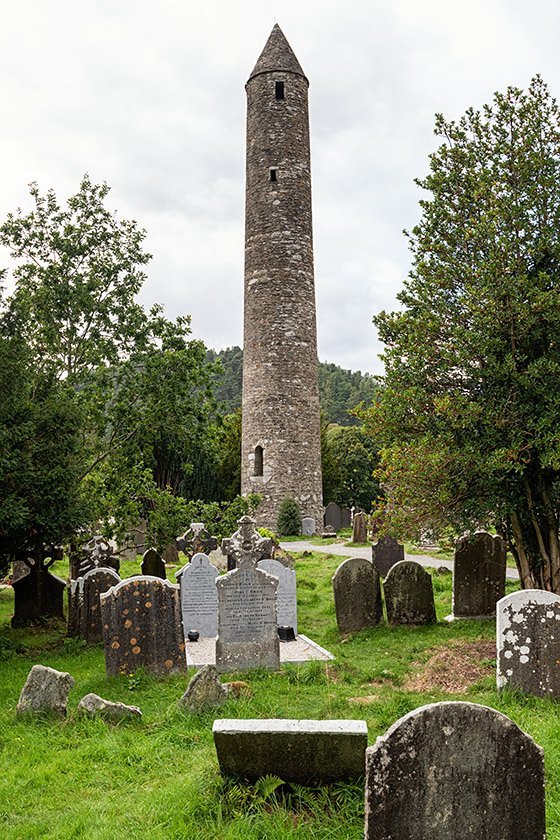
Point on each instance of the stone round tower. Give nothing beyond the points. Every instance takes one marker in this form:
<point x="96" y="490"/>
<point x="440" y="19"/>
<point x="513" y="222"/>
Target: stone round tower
<point x="281" y="447"/>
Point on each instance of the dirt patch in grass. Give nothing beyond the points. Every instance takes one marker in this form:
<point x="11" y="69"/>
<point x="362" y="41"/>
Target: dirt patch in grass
<point x="453" y="668"/>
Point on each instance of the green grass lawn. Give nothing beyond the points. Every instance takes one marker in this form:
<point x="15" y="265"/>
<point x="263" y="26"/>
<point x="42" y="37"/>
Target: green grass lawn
<point x="158" y="778"/>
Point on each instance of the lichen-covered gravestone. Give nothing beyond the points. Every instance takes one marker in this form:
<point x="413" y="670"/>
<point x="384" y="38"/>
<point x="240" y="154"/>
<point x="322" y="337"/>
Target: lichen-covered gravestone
<point x="45" y="692"/>
<point x="385" y="553"/>
<point x="204" y="691"/>
<point x="153" y="564"/>
<point x="199" y="596"/>
<point x="528" y="642"/>
<point x="142" y="627"/>
<point x="409" y="594"/>
<point x="357" y="595"/>
<point x="450" y="771"/>
<point x="286" y="594"/>
<point x="84" y="607"/>
<point x="359" y="529"/>
<point x="479" y="575"/>
<point x="244" y="540"/>
<point x="247" y="614"/>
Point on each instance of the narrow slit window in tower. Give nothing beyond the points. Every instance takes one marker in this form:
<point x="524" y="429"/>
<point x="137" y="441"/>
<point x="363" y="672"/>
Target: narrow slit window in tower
<point x="258" y="470"/>
<point x="273" y="170"/>
<point x="279" y="87"/>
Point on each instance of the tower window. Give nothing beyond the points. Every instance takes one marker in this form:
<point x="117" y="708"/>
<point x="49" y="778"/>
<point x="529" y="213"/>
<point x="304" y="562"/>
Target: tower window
<point x="279" y="90"/>
<point x="273" y="170"/>
<point x="258" y="468"/>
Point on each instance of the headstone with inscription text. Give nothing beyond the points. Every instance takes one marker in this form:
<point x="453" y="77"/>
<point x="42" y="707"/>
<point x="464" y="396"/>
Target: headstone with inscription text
<point x="286" y="595"/>
<point x="199" y="596"/>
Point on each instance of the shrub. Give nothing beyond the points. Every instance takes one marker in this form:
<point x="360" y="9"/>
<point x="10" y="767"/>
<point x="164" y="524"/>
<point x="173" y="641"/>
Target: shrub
<point x="289" y="518"/>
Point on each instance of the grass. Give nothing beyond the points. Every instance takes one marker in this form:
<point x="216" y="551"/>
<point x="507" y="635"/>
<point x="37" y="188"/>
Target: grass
<point x="158" y="778"/>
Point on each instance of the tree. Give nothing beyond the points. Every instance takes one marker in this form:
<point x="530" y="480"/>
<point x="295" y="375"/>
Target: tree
<point x="356" y="457"/>
<point x="289" y="518"/>
<point x="468" y="413"/>
<point x="229" y="455"/>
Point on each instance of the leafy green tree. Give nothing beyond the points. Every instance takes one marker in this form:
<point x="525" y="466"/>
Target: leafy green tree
<point x="356" y="457"/>
<point x="468" y="413"/>
<point x="229" y="455"/>
<point x="289" y="518"/>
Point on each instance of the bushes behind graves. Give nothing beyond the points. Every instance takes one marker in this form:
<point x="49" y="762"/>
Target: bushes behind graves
<point x="289" y="518"/>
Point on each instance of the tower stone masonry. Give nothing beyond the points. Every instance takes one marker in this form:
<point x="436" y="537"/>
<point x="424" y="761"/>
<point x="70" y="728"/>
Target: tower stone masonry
<point x="281" y="445"/>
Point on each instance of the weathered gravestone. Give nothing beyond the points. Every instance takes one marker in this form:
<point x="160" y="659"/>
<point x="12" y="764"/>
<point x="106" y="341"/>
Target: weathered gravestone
<point x="454" y="770"/>
<point x="300" y="751"/>
<point x="84" y="607"/>
<point x="479" y="576"/>
<point x="199" y="596"/>
<point x="357" y="595"/>
<point x="528" y="642"/>
<point x="196" y="540"/>
<point x="359" y="530"/>
<point x="39" y="593"/>
<point x="332" y="516"/>
<point x="286" y="594"/>
<point x="385" y="553"/>
<point x="93" y="704"/>
<point x="247" y="615"/>
<point x="45" y="691"/>
<point x="142" y="627"/>
<point x="328" y="532"/>
<point x="204" y="691"/>
<point x="308" y="527"/>
<point x="409" y="594"/>
<point x="96" y="553"/>
<point x="345" y="517"/>
<point x="153" y="564"/>
<point x="233" y="547"/>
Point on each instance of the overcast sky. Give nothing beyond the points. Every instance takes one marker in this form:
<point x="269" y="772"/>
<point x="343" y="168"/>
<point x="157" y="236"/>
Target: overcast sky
<point x="149" y="97"/>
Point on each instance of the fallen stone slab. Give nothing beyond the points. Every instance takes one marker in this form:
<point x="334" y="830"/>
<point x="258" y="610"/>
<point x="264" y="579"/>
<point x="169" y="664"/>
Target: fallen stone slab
<point x="300" y="751"/>
<point x="92" y="704"/>
<point x="45" y="691"/>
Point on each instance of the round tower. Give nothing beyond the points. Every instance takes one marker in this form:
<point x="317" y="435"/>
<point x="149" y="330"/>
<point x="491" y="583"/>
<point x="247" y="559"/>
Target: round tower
<point x="281" y="445"/>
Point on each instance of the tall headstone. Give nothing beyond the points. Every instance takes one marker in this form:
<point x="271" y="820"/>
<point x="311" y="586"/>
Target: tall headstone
<point x="286" y="594"/>
<point x="528" y="642"/>
<point x="332" y="516"/>
<point x="142" y="627"/>
<point x="199" y="596"/>
<point x="455" y="770"/>
<point x="409" y="594"/>
<point x="196" y="540"/>
<point x="247" y="613"/>
<point x="359" y="528"/>
<point x="153" y="564"/>
<point x="84" y="606"/>
<point x="38" y="594"/>
<point x="357" y="595"/>
<point x="345" y="517"/>
<point x="385" y="553"/>
<point x="234" y="547"/>
<point x="281" y="442"/>
<point x="479" y="575"/>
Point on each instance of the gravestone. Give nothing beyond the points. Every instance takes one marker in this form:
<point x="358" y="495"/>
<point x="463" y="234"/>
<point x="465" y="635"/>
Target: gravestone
<point x="84" y="607"/>
<point x="196" y="540"/>
<point x="479" y="576"/>
<point x="45" y="691"/>
<point x="247" y="614"/>
<point x="385" y="553"/>
<point x="308" y="528"/>
<point x="142" y="627"/>
<point x="232" y="547"/>
<point x="528" y="642"/>
<point x="332" y="516"/>
<point x="409" y="594"/>
<point x="345" y="517"/>
<point x="328" y="532"/>
<point x="359" y="530"/>
<point x="199" y="596"/>
<point x="204" y="691"/>
<point x="357" y="595"/>
<point x="301" y="751"/>
<point x="93" y="704"/>
<point x="39" y="593"/>
<point x="153" y="564"/>
<point x="286" y="594"/>
<point x="96" y="553"/>
<point x="454" y="770"/>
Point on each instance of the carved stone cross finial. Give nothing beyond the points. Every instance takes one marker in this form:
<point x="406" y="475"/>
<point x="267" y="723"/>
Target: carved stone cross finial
<point x="246" y="545"/>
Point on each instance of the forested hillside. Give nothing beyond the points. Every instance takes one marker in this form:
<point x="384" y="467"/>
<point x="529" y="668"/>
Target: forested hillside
<point x="339" y="389"/>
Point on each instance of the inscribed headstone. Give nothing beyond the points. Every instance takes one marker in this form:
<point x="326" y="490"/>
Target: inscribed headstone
<point x="528" y="642"/>
<point x="385" y="553"/>
<point x="286" y="594"/>
<point x="199" y="596"/>
<point x="153" y="564"/>
<point x="332" y="516"/>
<point x="84" y="607"/>
<point x="142" y="626"/>
<point x="409" y="594"/>
<point x="357" y="595"/>
<point x="359" y="530"/>
<point x="247" y="614"/>
<point x="454" y="770"/>
<point x="479" y="575"/>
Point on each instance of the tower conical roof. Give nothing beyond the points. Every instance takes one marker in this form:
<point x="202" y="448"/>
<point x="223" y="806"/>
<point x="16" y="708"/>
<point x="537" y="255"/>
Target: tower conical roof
<point x="277" y="55"/>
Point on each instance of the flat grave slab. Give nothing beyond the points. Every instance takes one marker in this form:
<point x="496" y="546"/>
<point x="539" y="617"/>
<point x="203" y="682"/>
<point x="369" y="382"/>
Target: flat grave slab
<point x="301" y="650"/>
